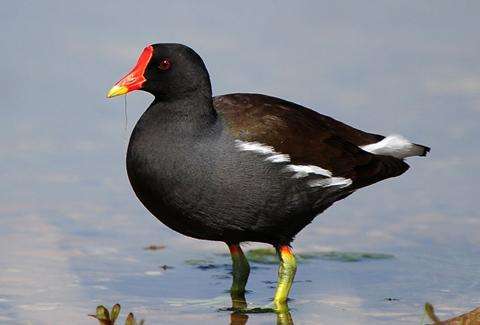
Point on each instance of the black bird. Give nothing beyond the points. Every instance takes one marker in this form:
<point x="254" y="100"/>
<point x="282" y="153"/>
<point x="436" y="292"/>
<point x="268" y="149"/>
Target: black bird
<point x="243" y="167"/>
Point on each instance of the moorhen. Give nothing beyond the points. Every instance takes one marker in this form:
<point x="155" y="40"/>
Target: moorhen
<point x="243" y="167"/>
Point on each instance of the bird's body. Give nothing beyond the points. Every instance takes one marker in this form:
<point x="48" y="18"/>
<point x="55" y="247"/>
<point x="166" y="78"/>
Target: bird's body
<point x="221" y="178"/>
<point x="243" y="167"/>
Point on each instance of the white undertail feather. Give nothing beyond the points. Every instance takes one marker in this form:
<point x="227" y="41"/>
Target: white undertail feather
<point x="396" y="146"/>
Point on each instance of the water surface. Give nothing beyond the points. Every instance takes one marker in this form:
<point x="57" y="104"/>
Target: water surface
<point x="72" y="234"/>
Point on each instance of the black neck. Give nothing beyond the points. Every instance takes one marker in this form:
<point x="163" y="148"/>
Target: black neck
<point x="189" y="114"/>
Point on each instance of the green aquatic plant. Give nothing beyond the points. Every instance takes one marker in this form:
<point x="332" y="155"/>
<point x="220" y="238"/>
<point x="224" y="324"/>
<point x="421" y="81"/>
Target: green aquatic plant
<point x="262" y="256"/>
<point x="348" y="256"/>
<point x="198" y="262"/>
<point x="109" y="318"/>
<point x="268" y="256"/>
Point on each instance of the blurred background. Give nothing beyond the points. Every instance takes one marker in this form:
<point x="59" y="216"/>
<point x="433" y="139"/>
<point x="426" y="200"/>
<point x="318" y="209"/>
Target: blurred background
<point x="72" y="232"/>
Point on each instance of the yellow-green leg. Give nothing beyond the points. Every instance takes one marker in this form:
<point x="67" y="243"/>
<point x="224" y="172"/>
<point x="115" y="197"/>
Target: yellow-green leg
<point x="240" y="270"/>
<point x="286" y="274"/>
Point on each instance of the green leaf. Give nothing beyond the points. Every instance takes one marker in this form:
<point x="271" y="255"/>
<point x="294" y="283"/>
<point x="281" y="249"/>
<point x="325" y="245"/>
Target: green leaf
<point x="115" y="312"/>
<point x="102" y="313"/>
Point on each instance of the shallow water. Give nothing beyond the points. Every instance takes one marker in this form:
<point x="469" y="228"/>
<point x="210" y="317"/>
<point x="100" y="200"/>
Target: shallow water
<point x="72" y="234"/>
<point x="62" y="266"/>
<point x="75" y="238"/>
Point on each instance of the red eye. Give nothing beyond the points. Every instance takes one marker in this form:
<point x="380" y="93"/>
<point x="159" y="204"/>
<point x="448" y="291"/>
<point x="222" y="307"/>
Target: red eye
<point x="165" y="64"/>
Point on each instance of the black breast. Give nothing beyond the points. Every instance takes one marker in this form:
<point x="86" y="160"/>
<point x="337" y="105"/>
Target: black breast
<point x="205" y="187"/>
<point x="201" y="178"/>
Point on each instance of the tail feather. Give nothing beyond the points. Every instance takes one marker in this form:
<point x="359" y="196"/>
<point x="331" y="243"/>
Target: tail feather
<point x="379" y="168"/>
<point x="396" y="146"/>
<point x="424" y="149"/>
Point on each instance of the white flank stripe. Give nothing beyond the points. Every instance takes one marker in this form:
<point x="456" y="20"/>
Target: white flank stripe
<point x="332" y="181"/>
<point x="254" y="146"/>
<point x="303" y="170"/>
<point x="278" y="158"/>
<point x="262" y="149"/>
<point x="395" y="146"/>
<point x="299" y="170"/>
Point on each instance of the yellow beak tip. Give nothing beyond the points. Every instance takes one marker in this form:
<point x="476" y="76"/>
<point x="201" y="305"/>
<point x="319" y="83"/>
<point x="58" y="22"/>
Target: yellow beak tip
<point x="117" y="91"/>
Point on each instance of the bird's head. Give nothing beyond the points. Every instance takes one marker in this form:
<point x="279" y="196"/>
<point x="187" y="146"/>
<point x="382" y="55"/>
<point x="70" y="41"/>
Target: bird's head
<point x="167" y="71"/>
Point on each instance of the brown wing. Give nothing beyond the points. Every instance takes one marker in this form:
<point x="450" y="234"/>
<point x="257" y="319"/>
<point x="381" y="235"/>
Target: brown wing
<point x="308" y="137"/>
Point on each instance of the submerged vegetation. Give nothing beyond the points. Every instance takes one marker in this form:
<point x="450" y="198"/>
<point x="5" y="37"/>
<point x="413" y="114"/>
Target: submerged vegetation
<point x="268" y="256"/>
<point x="198" y="262"/>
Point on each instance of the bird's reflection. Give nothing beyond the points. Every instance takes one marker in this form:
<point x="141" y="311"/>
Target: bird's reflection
<point x="239" y="316"/>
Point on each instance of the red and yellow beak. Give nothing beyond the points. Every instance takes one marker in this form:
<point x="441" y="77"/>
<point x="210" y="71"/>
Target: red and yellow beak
<point x="135" y="78"/>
